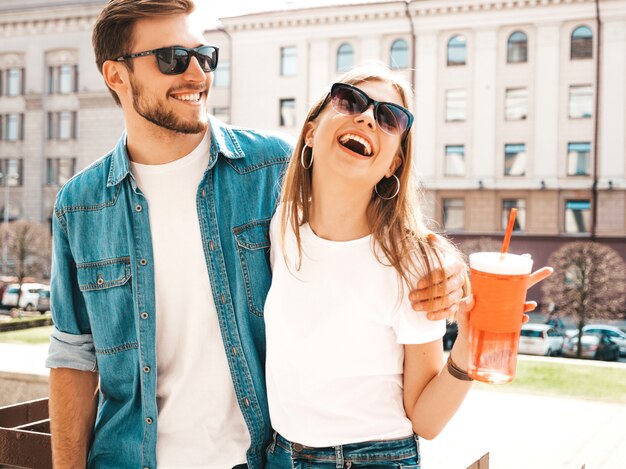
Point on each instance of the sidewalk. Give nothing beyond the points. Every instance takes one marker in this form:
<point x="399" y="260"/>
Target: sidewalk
<point x="520" y="431"/>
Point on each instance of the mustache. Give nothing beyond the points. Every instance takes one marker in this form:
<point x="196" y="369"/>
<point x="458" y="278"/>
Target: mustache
<point x="188" y="88"/>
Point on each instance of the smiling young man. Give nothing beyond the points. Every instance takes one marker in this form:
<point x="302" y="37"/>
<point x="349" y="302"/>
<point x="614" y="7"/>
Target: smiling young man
<point x="160" y="265"/>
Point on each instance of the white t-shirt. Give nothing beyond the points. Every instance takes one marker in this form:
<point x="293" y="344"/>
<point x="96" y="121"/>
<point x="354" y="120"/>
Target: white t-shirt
<point x="335" y="330"/>
<point x="200" y="424"/>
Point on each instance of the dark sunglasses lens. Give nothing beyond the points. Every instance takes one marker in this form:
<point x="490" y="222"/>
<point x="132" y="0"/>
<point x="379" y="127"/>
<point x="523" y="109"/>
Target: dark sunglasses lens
<point x="207" y="57"/>
<point x="345" y="100"/>
<point x="172" y="61"/>
<point x="392" y="119"/>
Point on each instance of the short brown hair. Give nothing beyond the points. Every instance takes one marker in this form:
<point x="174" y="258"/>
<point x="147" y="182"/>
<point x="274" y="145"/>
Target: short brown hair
<point x="113" y="32"/>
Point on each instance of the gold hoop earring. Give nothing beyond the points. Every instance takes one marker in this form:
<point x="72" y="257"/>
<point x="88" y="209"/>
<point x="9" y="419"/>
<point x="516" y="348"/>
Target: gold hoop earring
<point x="394" y="194"/>
<point x="302" y="157"/>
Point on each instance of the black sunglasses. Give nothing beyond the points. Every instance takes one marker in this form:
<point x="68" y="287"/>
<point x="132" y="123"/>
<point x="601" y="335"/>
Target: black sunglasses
<point x="174" y="60"/>
<point x="350" y="101"/>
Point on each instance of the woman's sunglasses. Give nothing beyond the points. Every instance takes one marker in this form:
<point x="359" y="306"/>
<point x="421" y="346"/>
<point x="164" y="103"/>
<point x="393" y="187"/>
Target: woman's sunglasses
<point x="350" y="101"/>
<point x="175" y="60"/>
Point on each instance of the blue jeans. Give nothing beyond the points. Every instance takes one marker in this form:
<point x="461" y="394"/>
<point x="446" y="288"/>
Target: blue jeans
<point x="402" y="454"/>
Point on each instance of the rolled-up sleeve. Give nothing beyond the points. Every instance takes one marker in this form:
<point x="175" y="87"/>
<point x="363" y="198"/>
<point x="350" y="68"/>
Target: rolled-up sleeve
<point x="71" y="342"/>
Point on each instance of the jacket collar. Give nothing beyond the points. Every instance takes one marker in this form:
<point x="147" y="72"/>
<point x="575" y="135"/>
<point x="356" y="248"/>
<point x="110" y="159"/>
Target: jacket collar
<point x="223" y="142"/>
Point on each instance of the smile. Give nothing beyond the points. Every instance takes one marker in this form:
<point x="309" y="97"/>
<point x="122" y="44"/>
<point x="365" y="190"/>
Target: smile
<point x="193" y="97"/>
<point x="356" y="143"/>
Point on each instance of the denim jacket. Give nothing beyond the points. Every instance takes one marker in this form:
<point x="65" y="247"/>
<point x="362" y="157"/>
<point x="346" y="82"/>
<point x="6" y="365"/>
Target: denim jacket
<point x="103" y="301"/>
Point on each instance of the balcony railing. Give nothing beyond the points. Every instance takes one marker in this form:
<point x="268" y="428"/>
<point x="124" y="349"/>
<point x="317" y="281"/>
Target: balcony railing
<point x="25" y="437"/>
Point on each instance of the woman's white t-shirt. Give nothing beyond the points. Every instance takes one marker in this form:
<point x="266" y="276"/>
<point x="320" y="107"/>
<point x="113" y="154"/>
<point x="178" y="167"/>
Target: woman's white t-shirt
<point x="335" y="333"/>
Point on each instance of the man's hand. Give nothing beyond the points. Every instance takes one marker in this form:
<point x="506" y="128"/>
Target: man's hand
<point x="445" y="296"/>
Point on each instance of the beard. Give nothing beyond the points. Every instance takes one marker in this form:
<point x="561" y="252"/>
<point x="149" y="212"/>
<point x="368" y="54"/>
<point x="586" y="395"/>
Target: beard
<point x="160" y="115"/>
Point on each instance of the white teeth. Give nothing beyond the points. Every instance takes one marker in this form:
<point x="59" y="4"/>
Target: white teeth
<point x="188" y="97"/>
<point x="361" y="140"/>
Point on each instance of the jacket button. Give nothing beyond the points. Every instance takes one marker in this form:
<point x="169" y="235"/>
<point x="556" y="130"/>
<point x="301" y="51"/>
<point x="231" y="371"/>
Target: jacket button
<point x="143" y="261"/>
<point x="146" y="369"/>
<point x="138" y="208"/>
<point x="100" y="281"/>
<point x="149" y="421"/>
<point x="144" y="315"/>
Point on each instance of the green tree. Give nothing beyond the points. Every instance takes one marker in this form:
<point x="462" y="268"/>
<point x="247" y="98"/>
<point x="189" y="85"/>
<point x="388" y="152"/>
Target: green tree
<point x="588" y="283"/>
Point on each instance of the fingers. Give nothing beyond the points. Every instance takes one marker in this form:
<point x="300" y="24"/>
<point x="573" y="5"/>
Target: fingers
<point x="439" y="275"/>
<point x="530" y="306"/>
<point x="445" y="313"/>
<point x="539" y="275"/>
<point x="452" y="296"/>
<point x="454" y="280"/>
<point x="525" y="318"/>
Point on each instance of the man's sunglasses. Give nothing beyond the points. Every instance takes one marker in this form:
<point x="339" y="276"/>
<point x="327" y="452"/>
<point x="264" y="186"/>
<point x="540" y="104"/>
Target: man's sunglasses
<point x="175" y="60"/>
<point x="350" y="101"/>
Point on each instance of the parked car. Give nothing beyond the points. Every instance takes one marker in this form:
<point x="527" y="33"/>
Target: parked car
<point x="452" y="330"/>
<point x="616" y="334"/>
<point x="540" y="339"/>
<point x="43" y="303"/>
<point x="28" y="299"/>
<point x="596" y="346"/>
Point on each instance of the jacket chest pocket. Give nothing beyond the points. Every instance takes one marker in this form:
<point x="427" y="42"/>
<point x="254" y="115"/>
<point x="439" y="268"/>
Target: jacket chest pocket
<point x="253" y="244"/>
<point x="107" y="291"/>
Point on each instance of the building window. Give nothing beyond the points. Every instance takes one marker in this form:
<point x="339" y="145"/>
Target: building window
<point x="221" y="75"/>
<point x="517" y="48"/>
<point x="11" y="172"/>
<point x="345" y="57"/>
<point x="520" y="218"/>
<point x="577" y="216"/>
<point x="63" y="79"/>
<point x="455" y="160"/>
<point x="515" y="159"/>
<point x="62" y="125"/>
<point x="454" y="214"/>
<point x="288" y="61"/>
<point x="222" y="113"/>
<point x="399" y="55"/>
<point x="59" y="170"/>
<point x="578" y="158"/>
<point x="15" y="82"/>
<point x="516" y="104"/>
<point x="288" y="112"/>
<point x="457" y="51"/>
<point x="582" y="43"/>
<point x="580" y="101"/>
<point x="13" y="127"/>
<point x="456" y="105"/>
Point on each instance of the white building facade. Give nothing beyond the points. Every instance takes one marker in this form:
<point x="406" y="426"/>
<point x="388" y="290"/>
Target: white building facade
<point x="56" y="115"/>
<point x="505" y="101"/>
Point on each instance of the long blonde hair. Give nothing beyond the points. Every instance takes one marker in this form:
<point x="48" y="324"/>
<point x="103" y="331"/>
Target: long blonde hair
<point x="396" y="224"/>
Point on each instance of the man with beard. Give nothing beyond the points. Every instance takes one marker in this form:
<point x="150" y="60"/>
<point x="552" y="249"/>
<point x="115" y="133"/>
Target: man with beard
<point x="160" y="264"/>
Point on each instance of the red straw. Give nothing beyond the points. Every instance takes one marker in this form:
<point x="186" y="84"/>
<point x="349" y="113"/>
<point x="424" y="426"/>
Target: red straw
<point x="507" y="233"/>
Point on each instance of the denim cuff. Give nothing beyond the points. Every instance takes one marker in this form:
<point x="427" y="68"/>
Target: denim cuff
<point x="74" y="351"/>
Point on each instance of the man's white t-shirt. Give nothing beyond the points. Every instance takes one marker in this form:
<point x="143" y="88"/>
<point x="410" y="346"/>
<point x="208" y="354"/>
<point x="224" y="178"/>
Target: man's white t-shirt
<point x="335" y="333"/>
<point x="200" y="424"/>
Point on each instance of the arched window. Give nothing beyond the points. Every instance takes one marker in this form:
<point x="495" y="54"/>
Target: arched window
<point x="582" y="43"/>
<point x="457" y="51"/>
<point x="517" y="48"/>
<point x="399" y="54"/>
<point x="345" y="57"/>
